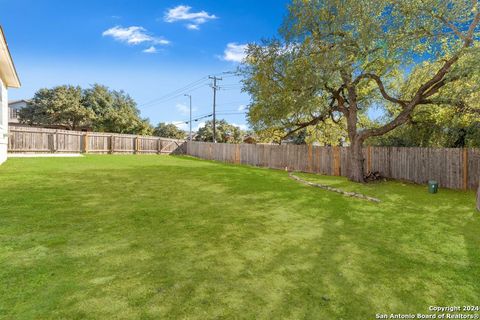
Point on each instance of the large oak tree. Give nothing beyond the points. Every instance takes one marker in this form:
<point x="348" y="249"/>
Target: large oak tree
<point x="97" y="107"/>
<point x="337" y="59"/>
<point x="61" y="105"/>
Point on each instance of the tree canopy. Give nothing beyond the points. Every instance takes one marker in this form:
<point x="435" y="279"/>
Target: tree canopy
<point x="452" y="122"/>
<point x="97" y="107"/>
<point x="61" y="105"/>
<point x="337" y="59"/>
<point x="224" y="132"/>
<point x="168" y="130"/>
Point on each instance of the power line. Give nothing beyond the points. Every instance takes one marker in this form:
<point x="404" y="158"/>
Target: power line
<point x="193" y="120"/>
<point x="231" y="113"/>
<point x="235" y="110"/>
<point x="231" y="84"/>
<point x="197" y="84"/>
<point x="190" y="90"/>
<point x="232" y="103"/>
<point x="228" y="74"/>
<point x="157" y="104"/>
<point x="186" y="87"/>
<point x="229" y="89"/>
<point x="191" y="86"/>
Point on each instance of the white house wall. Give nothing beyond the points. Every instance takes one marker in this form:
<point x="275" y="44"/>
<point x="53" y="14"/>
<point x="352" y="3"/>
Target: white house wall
<point x="3" y="122"/>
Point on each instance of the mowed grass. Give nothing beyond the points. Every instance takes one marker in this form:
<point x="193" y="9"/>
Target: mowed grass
<point x="163" y="237"/>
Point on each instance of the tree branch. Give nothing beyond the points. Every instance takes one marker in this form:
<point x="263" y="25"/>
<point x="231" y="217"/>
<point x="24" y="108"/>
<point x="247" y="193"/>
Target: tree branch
<point x="300" y="126"/>
<point x="452" y="27"/>
<point x="381" y="87"/>
<point x="434" y="89"/>
<point x="471" y="29"/>
<point x="337" y="96"/>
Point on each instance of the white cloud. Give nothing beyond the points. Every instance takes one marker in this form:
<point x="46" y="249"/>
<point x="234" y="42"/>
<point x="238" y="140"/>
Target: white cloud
<point x="186" y="127"/>
<point x="242" y="107"/>
<point x="133" y="35"/>
<point x="199" y="125"/>
<point x="235" y="52"/>
<point x="152" y="49"/>
<point x="192" y="26"/>
<point x="183" y="109"/>
<point x="180" y="125"/>
<point x="184" y="13"/>
<point x="241" y="126"/>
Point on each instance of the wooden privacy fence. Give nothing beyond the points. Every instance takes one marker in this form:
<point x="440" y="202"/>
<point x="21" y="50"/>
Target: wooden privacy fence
<point x="41" y="140"/>
<point x="452" y="168"/>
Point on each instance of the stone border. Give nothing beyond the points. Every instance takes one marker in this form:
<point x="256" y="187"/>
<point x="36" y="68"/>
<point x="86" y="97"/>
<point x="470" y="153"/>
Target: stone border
<point x="328" y="188"/>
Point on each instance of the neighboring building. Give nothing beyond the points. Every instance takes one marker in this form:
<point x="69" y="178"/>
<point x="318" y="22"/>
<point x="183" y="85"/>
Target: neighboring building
<point x="13" y="108"/>
<point x="8" y="79"/>
<point x="13" y="117"/>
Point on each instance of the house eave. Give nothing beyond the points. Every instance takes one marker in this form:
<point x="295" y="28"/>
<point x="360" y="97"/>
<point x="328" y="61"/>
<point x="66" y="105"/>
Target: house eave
<point x="8" y="73"/>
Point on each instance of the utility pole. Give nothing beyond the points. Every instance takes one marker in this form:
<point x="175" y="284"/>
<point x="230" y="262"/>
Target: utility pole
<point x="215" y="88"/>
<point x="190" y="122"/>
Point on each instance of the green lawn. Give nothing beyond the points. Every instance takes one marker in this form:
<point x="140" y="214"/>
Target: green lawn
<point x="160" y="237"/>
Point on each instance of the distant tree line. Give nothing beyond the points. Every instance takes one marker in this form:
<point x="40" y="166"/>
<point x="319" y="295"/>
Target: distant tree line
<point x="224" y="132"/>
<point x="101" y="109"/>
<point x="97" y="108"/>
<point x="169" y="130"/>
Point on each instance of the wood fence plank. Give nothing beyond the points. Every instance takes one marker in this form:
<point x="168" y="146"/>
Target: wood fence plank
<point x="418" y="165"/>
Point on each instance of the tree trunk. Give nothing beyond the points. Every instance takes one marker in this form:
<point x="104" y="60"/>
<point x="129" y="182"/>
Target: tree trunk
<point x="356" y="161"/>
<point x="478" y="198"/>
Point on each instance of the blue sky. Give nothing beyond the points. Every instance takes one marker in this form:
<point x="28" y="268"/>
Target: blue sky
<point x="146" y="48"/>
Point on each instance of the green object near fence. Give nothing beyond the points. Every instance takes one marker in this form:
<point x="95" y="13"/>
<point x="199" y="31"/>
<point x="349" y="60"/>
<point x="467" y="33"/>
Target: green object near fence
<point x="432" y="186"/>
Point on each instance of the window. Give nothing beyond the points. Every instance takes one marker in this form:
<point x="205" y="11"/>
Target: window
<point x="13" y="113"/>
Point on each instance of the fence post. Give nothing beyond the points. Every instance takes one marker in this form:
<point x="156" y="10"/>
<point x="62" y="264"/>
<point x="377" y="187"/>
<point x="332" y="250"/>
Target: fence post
<point x="56" y="140"/>
<point x="336" y="161"/>
<point x="465" y="168"/>
<point x="112" y="144"/>
<point x="85" y="143"/>
<point x="159" y="146"/>
<point x="53" y="142"/>
<point x="136" y="145"/>
<point x="238" y="154"/>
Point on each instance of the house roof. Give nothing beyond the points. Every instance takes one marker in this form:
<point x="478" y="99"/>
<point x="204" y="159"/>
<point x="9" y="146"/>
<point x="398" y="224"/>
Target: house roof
<point x="17" y="101"/>
<point x="8" y="73"/>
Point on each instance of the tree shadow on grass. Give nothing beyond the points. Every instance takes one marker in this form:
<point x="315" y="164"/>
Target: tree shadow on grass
<point x="404" y="244"/>
<point x="421" y="247"/>
<point x="198" y="239"/>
